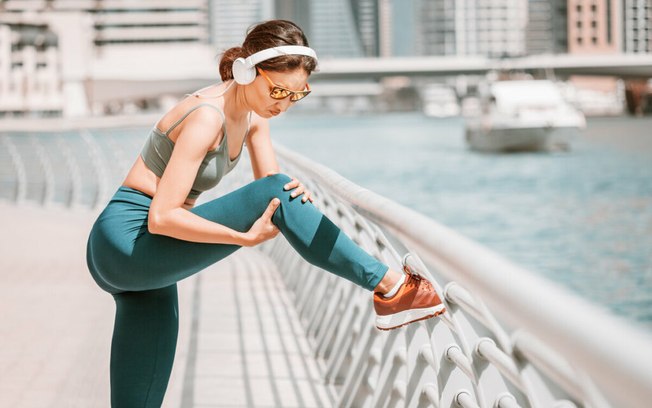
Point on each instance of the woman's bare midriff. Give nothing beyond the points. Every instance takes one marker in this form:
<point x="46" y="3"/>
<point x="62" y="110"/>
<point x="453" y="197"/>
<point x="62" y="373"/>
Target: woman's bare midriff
<point x="143" y="179"/>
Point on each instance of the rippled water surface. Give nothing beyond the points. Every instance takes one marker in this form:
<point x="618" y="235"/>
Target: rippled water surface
<point x="582" y="218"/>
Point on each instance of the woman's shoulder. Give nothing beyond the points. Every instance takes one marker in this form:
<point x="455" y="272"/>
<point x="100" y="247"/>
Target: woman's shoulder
<point x="191" y="110"/>
<point x="203" y="117"/>
<point x="201" y="128"/>
<point x="207" y="110"/>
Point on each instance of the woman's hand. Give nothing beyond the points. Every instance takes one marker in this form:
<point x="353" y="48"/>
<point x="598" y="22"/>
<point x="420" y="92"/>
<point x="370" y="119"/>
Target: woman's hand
<point x="263" y="229"/>
<point x="299" y="189"/>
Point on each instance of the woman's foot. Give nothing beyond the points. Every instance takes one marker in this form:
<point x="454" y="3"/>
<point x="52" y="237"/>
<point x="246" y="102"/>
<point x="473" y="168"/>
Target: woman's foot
<point x="416" y="299"/>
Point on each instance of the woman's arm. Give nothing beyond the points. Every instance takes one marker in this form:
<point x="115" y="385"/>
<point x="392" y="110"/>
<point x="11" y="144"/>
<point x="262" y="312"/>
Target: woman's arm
<point x="263" y="158"/>
<point x="167" y="216"/>
<point x="261" y="151"/>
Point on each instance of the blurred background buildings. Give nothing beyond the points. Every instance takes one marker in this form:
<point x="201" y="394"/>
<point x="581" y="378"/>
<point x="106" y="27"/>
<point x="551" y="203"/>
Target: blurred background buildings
<point x="95" y="57"/>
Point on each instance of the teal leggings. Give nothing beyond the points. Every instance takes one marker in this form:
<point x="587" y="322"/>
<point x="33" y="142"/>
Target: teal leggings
<point x="141" y="270"/>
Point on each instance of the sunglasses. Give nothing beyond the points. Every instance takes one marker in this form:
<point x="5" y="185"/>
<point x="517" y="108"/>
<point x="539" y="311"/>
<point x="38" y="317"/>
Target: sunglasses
<point x="278" y="92"/>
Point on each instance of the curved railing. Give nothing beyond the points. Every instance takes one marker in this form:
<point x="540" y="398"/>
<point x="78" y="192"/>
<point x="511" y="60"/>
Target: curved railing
<point x="510" y="338"/>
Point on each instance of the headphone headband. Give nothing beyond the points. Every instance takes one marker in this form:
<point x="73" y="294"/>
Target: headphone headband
<point x="244" y="71"/>
<point x="274" y="52"/>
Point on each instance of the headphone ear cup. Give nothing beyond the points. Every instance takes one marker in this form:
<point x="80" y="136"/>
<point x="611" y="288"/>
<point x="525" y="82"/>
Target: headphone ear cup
<point x="243" y="74"/>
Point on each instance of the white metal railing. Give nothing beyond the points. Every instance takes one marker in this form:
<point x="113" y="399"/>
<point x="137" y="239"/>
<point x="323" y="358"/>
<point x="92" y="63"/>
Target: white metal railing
<point x="19" y="168"/>
<point x="100" y="167"/>
<point x="532" y="344"/>
<point x="509" y="338"/>
<point x="46" y="168"/>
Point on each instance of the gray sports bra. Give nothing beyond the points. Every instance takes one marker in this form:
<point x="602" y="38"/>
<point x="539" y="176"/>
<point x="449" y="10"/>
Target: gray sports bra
<point x="158" y="148"/>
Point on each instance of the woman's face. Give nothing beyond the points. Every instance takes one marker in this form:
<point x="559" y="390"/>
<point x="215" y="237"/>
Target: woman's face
<point x="264" y="105"/>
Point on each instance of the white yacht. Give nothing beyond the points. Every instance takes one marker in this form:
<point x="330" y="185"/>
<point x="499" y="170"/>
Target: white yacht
<point x="523" y="115"/>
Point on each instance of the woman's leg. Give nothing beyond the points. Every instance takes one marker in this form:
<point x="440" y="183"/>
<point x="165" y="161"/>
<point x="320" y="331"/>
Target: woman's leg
<point x="143" y="346"/>
<point x="158" y="261"/>
<point x="144" y="283"/>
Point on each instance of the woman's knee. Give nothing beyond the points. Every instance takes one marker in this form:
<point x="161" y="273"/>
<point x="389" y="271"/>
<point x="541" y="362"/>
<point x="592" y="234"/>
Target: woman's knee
<point x="275" y="183"/>
<point x="280" y="178"/>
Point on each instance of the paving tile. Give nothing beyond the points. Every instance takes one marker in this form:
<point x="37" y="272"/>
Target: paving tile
<point x="261" y="350"/>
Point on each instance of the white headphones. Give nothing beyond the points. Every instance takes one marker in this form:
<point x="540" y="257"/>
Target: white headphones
<point x="244" y="69"/>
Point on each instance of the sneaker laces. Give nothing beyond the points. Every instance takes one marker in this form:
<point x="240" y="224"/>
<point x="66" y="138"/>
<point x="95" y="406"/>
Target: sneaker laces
<point x="414" y="279"/>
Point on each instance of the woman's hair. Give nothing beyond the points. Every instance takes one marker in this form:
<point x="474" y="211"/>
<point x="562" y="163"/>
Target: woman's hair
<point x="268" y="34"/>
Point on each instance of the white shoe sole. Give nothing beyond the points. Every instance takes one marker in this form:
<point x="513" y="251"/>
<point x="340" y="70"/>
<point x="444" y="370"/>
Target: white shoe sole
<point x="396" y="320"/>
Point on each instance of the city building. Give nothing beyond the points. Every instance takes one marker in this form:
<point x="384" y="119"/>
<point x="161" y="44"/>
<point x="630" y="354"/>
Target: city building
<point x="593" y="26"/>
<point x="637" y="26"/>
<point x="131" y="49"/>
<point x="492" y="28"/>
<point x="337" y="28"/>
<point x="230" y="19"/>
<point x="547" y="27"/>
<point x="367" y="19"/>
<point x="438" y="28"/>
<point x="29" y="69"/>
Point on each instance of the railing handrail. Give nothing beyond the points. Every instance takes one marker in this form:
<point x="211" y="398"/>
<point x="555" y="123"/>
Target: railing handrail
<point x="615" y="354"/>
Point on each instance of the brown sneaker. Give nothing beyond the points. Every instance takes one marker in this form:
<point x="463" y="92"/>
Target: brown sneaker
<point x="415" y="300"/>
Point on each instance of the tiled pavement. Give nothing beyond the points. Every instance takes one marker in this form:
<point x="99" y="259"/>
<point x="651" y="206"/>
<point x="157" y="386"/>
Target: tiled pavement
<point x="239" y="344"/>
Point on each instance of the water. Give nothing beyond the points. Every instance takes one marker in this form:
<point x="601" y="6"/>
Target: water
<point x="582" y="218"/>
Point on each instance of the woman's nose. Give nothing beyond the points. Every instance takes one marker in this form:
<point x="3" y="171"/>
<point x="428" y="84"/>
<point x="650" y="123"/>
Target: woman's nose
<point x="284" y="104"/>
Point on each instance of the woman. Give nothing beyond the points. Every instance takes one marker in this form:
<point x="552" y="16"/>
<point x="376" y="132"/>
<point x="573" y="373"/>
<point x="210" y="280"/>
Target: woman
<point x="151" y="236"/>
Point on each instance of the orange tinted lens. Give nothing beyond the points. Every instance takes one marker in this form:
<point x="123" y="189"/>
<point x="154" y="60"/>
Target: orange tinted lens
<point x="279" y="93"/>
<point x="297" y="96"/>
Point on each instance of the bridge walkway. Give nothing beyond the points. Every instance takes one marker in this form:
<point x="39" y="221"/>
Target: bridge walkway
<point x="240" y="343"/>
